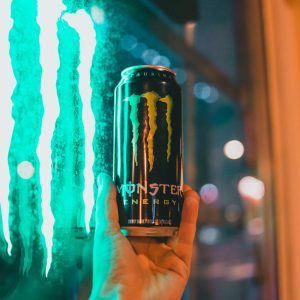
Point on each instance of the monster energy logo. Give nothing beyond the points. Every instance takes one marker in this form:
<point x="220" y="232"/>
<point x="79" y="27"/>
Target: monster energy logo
<point x="152" y="99"/>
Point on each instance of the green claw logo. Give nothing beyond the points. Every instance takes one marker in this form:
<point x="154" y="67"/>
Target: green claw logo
<point x="151" y="99"/>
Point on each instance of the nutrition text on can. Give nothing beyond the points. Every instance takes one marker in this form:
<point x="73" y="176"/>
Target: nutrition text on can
<point x="148" y="151"/>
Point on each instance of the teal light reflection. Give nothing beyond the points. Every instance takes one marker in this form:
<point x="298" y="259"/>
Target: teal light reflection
<point x="30" y="253"/>
<point x="27" y="113"/>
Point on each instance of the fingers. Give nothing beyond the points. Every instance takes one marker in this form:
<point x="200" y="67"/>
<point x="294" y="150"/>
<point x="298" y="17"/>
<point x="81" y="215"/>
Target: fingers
<point x="189" y="216"/>
<point x="107" y="218"/>
<point x="183" y="244"/>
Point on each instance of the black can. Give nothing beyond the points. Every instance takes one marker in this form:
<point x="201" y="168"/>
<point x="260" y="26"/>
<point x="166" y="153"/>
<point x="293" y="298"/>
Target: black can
<point x="148" y="151"/>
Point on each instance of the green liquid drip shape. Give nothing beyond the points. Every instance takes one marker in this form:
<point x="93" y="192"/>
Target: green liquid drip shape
<point x="134" y="101"/>
<point x="151" y="98"/>
<point x="67" y="142"/>
<point x="25" y="223"/>
<point x="27" y="113"/>
<point x="169" y="101"/>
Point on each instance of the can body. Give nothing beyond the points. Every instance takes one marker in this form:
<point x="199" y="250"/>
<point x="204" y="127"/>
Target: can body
<point x="148" y="151"/>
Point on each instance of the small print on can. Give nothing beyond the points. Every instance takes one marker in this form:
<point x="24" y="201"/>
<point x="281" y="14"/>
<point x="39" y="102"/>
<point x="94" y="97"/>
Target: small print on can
<point x="148" y="151"/>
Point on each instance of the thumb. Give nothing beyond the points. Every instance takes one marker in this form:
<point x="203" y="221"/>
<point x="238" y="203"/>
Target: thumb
<point x="107" y="218"/>
<point x="107" y="227"/>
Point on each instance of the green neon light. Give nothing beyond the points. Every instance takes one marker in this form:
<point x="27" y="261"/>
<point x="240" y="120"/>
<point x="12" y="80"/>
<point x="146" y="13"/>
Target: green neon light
<point x="27" y="113"/>
<point x="169" y="101"/>
<point x="134" y="101"/>
<point x="68" y="154"/>
<point x="151" y="100"/>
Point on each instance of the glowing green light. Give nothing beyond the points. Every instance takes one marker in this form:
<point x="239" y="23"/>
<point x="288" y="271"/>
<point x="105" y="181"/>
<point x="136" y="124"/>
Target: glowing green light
<point x="7" y="84"/>
<point x="82" y="22"/>
<point x="58" y="138"/>
<point x="151" y="99"/>
<point x="27" y="113"/>
<point x="169" y="101"/>
<point x="134" y="101"/>
<point x="47" y="20"/>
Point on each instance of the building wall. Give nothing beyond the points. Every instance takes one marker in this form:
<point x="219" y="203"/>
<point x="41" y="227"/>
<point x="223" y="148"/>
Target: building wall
<point x="281" y="29"/>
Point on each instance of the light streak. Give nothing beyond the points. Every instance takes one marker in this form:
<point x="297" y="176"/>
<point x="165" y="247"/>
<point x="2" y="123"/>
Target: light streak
<point x="7" y="84"/>
<point x="83" y="24"/>
<point x="48" y="14"/>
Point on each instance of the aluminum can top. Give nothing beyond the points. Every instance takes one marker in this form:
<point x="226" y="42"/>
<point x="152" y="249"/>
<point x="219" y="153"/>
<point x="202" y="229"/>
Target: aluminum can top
<point x="129" y="70"/>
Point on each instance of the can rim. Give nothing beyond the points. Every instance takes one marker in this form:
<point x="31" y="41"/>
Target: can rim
<point x="156" y="67"/>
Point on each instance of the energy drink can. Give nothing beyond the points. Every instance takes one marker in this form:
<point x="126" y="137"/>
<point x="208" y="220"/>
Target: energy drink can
<point x="148" y="151"/>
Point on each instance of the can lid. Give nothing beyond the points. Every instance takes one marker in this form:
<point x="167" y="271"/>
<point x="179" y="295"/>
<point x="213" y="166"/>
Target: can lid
<point x="159" y="68"/>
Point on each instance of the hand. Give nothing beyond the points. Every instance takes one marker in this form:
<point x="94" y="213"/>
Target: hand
<point x="140" y="268"/>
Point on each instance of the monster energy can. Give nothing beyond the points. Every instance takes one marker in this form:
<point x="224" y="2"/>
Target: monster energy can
<point x="148" y="151"/>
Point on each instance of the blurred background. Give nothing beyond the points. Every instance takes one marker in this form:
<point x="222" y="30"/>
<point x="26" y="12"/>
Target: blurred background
<point x="237" y="62"/>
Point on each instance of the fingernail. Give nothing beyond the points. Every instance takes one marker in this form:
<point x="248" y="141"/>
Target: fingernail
<point x="102" y="180"/>
<point x="100" y="183"/>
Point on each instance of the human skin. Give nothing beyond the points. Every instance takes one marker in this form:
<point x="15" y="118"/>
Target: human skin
<point x="140" y="268"/>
